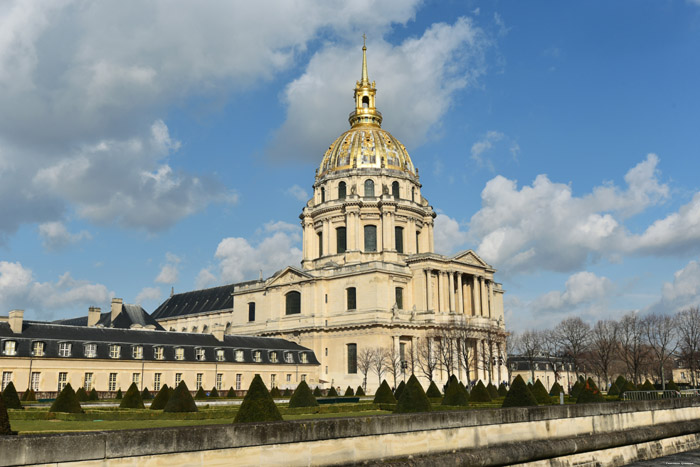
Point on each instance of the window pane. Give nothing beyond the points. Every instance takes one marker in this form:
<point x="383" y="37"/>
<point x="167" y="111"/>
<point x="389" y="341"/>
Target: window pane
<point x="370" y="238"/>
<point x="251" y="311"/>
<point x="320" y="244"/>
<point x="398" y="236"/>
<point x="395" y="190"/>
<point x="341" y="242"/>
<point x="293" y="305"/>
<point x="399" y="298"/>
<point x="369" y="188"/>
<point x="352" y="298"/>
<point x="341" y="190"/>
<point x="352" y="358"/>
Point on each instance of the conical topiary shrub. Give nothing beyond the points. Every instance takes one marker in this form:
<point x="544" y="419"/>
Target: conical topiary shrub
<point x="132" y="398"/>
<point x="200" y="394"/>
<point x="161" y="398"/>
<point x="359" y="391"/>
<point x="332" y="392"/>
<point x="82" y="394"/>
<point x="349" y="392"/>
<point x="231" y="393"/>
<point x="29" y="396"/>
<point x="540" y="393"/>
<point x="66" y="402"/>
<point x="275" y="393"/>
<point x="399" y="390"/>
<point x="589" y="393"/>
<point x="519" y="395"/>
<point x="317" y="392"/>
<point x="576" y="389"/>
<point x="146" y="394"/>
<point x="493" y="391"/>
<point x="629" y="386"/>
<point x="119" y="394"/>
<point x="9" y="394"/>
<point x="5" y="429"/>
<point x="479" y="393"/>
<point x="180" y="400"/>
<point x="671" y="386"/>
<point x="257" y="405"/>
<point x="288" y="393"/>
<point x="93" y="396"/>
<point x="456" y="394"/>
<point x="214" y="392"/>
<point x="502" y="390"/>
<point x="433" y="391"/>
<point x="620" y="382"/>
<point x="648" y="386"/>
<point x="413" y="398"/>
<point x="613" y="390"/>
<point x="384" y="394"/>
<point x="302" y="397"/>
<point x="556" y="389"/>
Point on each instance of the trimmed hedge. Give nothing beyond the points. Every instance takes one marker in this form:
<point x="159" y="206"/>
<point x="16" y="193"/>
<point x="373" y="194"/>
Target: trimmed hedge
<point x="540" y="393"/>
<point x="493" y="391"/>
<point x="480" y="393"/>
<point x="620" y="382"/>
<point x="214" y="392"/>
<point x="399" y="390"/>
<point x="502" y="390"/>
<point x="181" y="400"/>
<point x="119" y="394"/>
<point x="66" y="402"/>
<point x="433" y="391"/>
<point x="231" y="393"/>
<point x="302" y="397"/>
<point x="200" y="394"/>
<point x="5" y="429"/>
<point x="146" y="394"/>
<point x="132" y="398"/>
<point x="556" y="389"/>
<point x="288" y="393"/>
<point x="519" y="395"/>
<point x="275" y="393"/>
<point x="161" y="398"/>
<point x="589" y="393"/>
<point x="332" y="392"/>
<point x="93" y="395"/>
<point x="82" y="394"/>
<point x="671" y="386"/>
<point x="9" y="394"/>
<point x="613" y="390"/>
<point x="629" y="386"/>
<point x="258" y="405"/>
<point x="456" y="394"/>
<point x="413" y="398"/>
<point x="29" y="396"/>
<point x="317" y="392"/>
<point x="359" y="391"/>
<point x="384" y="394"/>
<point x="575" y="389"/>
<point x="349" y="392"/>
<point x="648" y="386"/>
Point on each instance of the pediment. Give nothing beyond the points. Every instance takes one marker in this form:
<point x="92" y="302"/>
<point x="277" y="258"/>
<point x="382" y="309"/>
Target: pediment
<point x="469" y="257"/>
<point x="288" y="275"/>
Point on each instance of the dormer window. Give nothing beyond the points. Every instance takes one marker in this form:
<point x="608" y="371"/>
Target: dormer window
<point x="303" y="358"/>
<point x="179" y="353"/>
<point x="273" y="357"/>
<point x="257" y="356"/>
<point x="158" y="353"/>
<point x="38" y="349"/>
<point x="220" y="355"/>
<point x="137" y="352"/>
<point x="199" y="355"/>
<point x="288" y="357"/>
<point x="64" y="349"/>
<point x="115" y="351"/>
<point x="239" y="356"/>
<point x="90" y="350"/>
<point x="9" y="348"/>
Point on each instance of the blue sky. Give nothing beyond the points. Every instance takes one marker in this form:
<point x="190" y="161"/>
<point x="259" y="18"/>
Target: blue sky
<point x="149" y="145"/>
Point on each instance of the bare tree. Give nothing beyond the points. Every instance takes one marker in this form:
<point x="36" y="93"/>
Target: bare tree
<point x="660" y="331"/>
<point x="426" y="357"/>
<point x="689" y="340"/>
<point x="445" y="345"/>
<point x="488" y="353"/>
<point x="531" y="349"/>
<point x="631" y="333"/>
<point x="365" y="358"/>
<point x="551" y="350"/>
<point x="604" y="346"/>
<point x="393" y="362"/>
<point x="573" y="336"/>
<point x="512" y="348"/>
<point x="464" y="343"/>
<point x="379" y="363"/>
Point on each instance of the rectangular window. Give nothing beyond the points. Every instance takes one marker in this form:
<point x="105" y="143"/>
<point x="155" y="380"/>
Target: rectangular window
<point x="220" y="356"/>
<point x="251" y="311"/>
<point x="352" y="298"/>
<point x="219" y="381"/>
<point x="198" y="384"/>
<point x="326" y="351"/>
<point x="6" y="378"/>
<point x="292" y="303"/>
<point x="399" y="298"/>
<point x="303" y="377"/>
<point x="179" y="353"/>
<point x="156" y="381"/>
<point x="320" y="244"/>
<point x="199" y="355"/>
<point x="273" y="381"/>
<point x="239" y="377"/>
<point x="239" y="355"/>
<point x="341" y="242"/>
<point x="62" y="380"/>
<point x="10" y="348"/>
<point x="87" y="381"/>
<point x="64" y="349"/>
<point x="112" y="382"/>
<point x="257" y="356"/>
<point x="417" y="242"/>
<point x="137" y="352"/>
<point x="326" y="369"/>
<point x="402" y="351"/>
<point x="273" y="357"/>
<point x="35" y="380"/>
<point x="178" y="378"/>
<point x="370" y="237"/>
<point x="352" y="359"/>
<point x="90" y="350"/>
<point x="398" y="239"/>
<point x="38" y="349"/>
<point x="115" y="351"/>
<point x="289" y="377"/>
<point x="158" y="353"/>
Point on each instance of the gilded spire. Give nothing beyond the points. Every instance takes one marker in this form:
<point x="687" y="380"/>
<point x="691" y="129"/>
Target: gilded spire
<point x="365" y="77"/>
<point x="365" y="111"/>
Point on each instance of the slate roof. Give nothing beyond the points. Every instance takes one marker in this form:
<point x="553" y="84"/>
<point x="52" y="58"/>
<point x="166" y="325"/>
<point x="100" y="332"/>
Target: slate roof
<point x="129" y="315"/>
<point x="52" y="334"/>
<point x="196" y="301"/>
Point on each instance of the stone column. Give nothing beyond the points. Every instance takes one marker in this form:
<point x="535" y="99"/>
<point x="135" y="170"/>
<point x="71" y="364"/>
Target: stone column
<point x="483" y="297"/>
<point x="460" y="294"/>
<point x="475" y="295"/>
<point x="441" y="291"/>
<point x="452" y="291"/>
<point x="429" y="290"/>
<point x="308" y="238"/>
<point x="410" y="243"/>
<point x="326" y="237"/>
<point x="350" y="231"/>
<point x="490" y="294"/>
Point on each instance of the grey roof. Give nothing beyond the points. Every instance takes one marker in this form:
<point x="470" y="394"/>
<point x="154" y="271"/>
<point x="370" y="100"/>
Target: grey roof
<point x="52" y="334"/>
<point x="196" y="301"/>
<point x="129" y="315"/>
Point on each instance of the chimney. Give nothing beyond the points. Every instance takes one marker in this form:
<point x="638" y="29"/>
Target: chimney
<point x="217" y="331"/>
<point x="93" y="315"/>
<point x="116" y="308"/>
<point x="16" y="317"/>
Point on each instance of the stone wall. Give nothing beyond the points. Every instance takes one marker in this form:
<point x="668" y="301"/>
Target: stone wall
<point x="511" y="435"/>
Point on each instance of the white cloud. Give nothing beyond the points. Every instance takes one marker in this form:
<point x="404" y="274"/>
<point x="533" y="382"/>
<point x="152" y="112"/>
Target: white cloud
<point x="677" y="233"/>
<point x="169" y="271"/>
<point x="55" y="235"/>
<point x="147" y="294"/>
<point x="18" y="289"/>
<point x="205" y="279"/>
<point x="298" y="193"/>
<point x="581" y="288"/>
<point x="682" y="292"/>
<point x="445" y="59"/>
<point x="484" y="145"/>
<point x="448" y="235"/>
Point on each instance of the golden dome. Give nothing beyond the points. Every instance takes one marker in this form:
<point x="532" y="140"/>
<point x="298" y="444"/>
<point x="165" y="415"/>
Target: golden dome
<point x="366" y="145"/>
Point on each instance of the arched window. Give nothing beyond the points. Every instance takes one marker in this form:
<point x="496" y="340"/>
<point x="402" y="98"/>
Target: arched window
<point x="395" y="190"/>
<point x="323" y="195"/>
<point x="341" y="190"/>
<point x="369" y="188"/>
<point x="398" y="239"/>
<point x="370" y="238"/>
<point x="251" y="311"/>
<point x="352" y="298"/>
<point x="293" y="303"/>
<point x="340" y="236"/>
<point x="365" y="102"/>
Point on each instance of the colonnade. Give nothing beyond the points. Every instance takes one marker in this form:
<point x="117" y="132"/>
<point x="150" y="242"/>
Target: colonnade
<point x="458" y="292"/>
